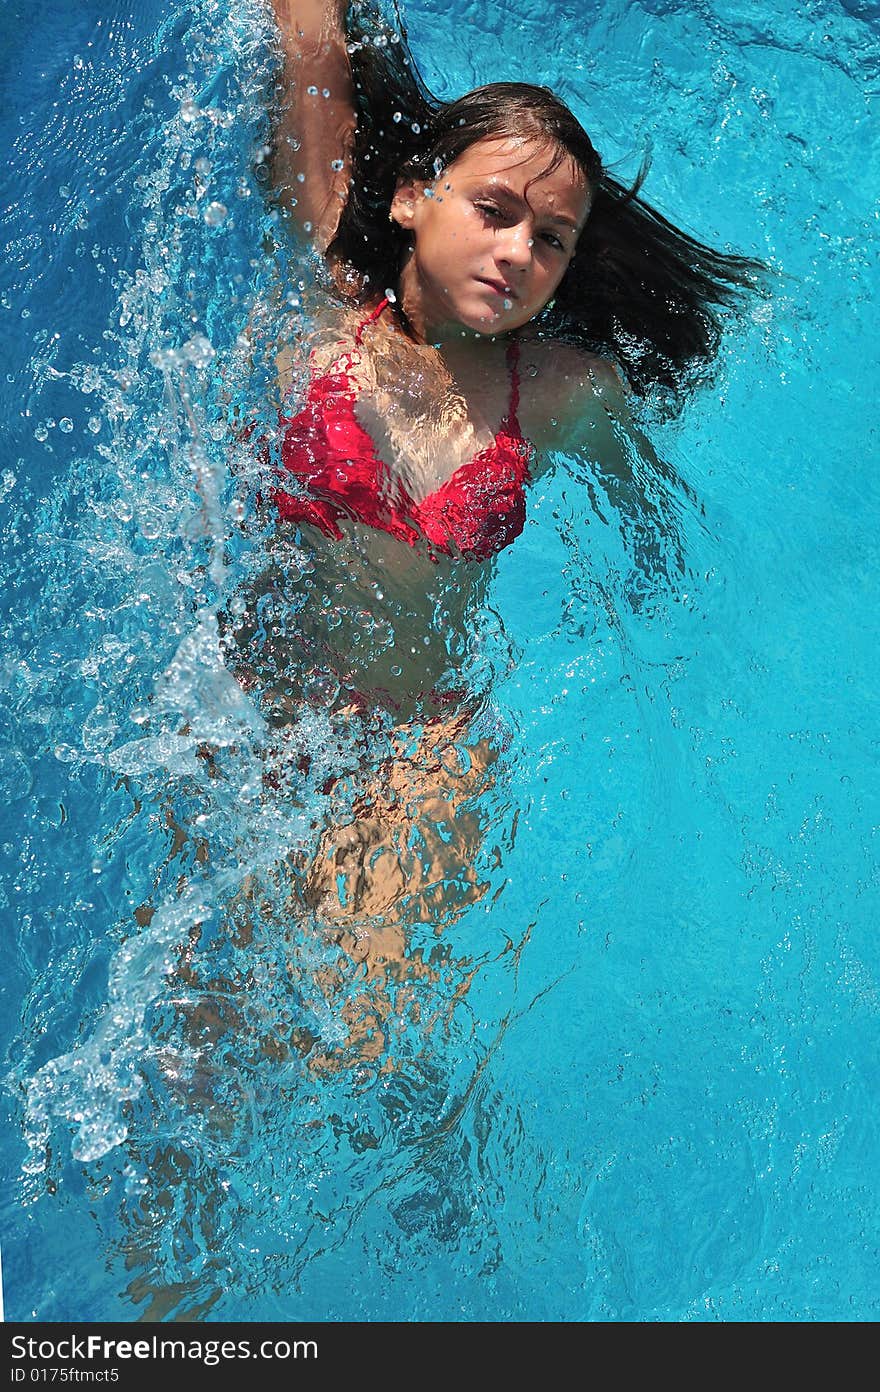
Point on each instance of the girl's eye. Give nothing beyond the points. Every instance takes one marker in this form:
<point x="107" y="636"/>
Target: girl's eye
<point x="552" y="240"/>
<point x="488" y="210"/>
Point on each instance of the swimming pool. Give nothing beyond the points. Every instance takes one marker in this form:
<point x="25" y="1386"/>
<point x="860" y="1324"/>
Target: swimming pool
<point x="654" y="1097"/>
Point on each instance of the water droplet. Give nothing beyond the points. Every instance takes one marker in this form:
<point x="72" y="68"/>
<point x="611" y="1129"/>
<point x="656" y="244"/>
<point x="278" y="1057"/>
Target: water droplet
<point x="16" y="777"/>
<point x="312" y="91"/>
<point x="336" y="164"/>
<point x="326" y="92"/>
<point x="215" y="213"/>
<point x="508" y="304"/>
<point x="198" y="350"/>
<point x="398" y="116"/>
<point x="391" y="296"/>
<point x="416" y="128"/>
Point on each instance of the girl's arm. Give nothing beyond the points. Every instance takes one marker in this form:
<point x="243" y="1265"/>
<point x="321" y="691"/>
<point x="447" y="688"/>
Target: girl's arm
<point x="592" y="424"/>
<point x="310" y="161"/>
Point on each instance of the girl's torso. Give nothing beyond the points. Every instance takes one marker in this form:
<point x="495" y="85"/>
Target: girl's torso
<point x="403" y="471"/>
<point x="388" y="437"/>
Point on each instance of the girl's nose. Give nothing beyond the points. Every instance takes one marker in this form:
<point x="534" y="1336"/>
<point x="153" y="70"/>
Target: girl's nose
<point x="516" y="250"/>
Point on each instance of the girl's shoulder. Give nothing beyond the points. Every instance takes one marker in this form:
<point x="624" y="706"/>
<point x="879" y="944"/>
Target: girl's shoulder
<point x="326" y="332"/>
<point x="566" y="363"/>
<point x="561" y="384"/>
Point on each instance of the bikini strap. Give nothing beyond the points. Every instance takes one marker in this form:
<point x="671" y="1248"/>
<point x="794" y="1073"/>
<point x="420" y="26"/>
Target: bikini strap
<point x="346" y="362"/>
<point x="513" y="370"/>
<point x="383" y="303"/>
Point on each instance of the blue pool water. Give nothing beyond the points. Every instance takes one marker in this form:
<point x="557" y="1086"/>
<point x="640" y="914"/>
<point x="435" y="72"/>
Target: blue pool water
<point x="656" y="1097"/>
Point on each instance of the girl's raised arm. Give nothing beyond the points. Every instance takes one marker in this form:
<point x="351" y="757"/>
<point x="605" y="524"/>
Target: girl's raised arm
<point x="310" y="161"/>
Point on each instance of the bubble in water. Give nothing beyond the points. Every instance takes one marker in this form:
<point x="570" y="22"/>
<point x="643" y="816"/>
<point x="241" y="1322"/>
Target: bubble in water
<point x="203" y="166"/>
<point x="94" y="424"/>
<point x="41" y="433"/>
<point x="390" y="296"/>
<point x="198" y="350"/>
<point x="15" y="776"/>
<point x="189" y="111"/>
<point x="65" y="425"/>
<point x="64" y="192"/>
<point x="215" y="213"/>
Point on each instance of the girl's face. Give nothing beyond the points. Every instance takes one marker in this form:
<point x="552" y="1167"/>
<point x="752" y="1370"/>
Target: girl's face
<point x="492" y="237"/>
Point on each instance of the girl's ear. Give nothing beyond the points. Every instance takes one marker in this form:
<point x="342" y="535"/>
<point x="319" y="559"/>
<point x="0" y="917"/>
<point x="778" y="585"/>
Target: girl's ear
<point x="405" y="200"/>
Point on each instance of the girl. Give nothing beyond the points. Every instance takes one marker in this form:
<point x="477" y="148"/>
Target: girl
<point x="489" y="296"/>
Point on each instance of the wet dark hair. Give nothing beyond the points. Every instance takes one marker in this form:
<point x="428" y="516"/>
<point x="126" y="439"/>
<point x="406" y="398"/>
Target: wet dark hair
<point x="638" y="290"/>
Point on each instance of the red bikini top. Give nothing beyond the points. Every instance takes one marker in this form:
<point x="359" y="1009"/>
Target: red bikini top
<point x="476" y="512"/>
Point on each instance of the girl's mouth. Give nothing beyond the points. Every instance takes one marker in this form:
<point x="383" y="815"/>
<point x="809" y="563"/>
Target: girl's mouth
<point x="498" y="286"/>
